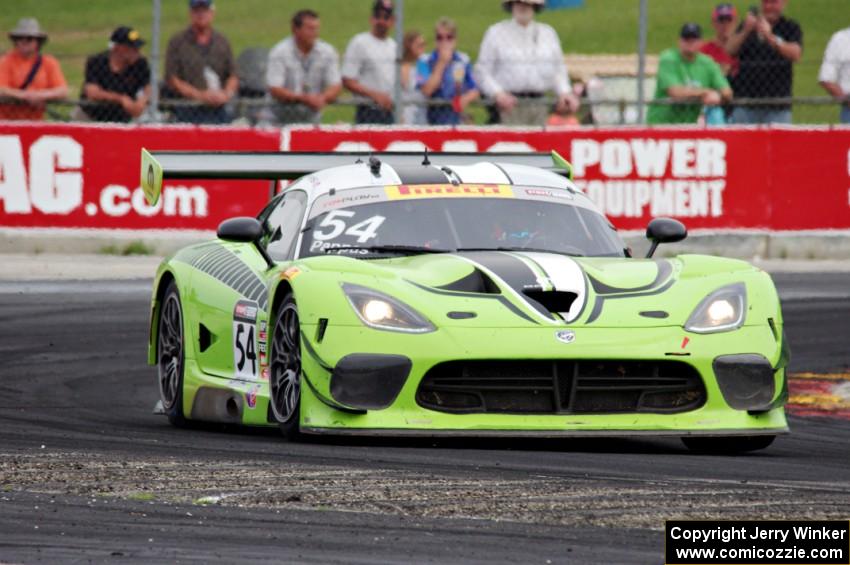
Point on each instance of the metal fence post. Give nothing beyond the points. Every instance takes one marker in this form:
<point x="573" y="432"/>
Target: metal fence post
<point x="642" y="25"/>
<point x="153" y="111"/>
<point x="399" y="39"/>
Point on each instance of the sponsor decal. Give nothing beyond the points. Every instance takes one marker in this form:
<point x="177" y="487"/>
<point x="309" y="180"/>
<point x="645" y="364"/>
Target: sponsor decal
<point x="565" y="336"/>
<point x="264" y="373"/>
<point x="251" y="397"/>
<point x="549" y="193"/>
<point x="350" y="200"/>
<point x="406" y="191"/>
<point x="245" y="311"/>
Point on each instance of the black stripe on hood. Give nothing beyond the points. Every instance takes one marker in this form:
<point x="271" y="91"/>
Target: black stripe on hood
<point x="514" y="271"/>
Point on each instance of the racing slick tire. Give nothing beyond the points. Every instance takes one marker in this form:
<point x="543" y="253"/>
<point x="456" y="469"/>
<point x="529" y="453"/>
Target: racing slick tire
<point x="728" y="445"/>
<point x="285" y="369"/>
<point x="170" y="355"/>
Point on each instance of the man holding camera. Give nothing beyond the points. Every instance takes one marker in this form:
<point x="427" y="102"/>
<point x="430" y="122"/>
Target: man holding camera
<point x="766" y="44"/>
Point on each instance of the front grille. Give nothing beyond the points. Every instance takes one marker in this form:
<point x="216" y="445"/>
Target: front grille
<point x="561" y="387"/>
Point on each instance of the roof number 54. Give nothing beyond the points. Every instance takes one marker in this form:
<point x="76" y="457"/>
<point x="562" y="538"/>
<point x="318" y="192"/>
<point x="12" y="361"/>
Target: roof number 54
<point x="336" y="226"/>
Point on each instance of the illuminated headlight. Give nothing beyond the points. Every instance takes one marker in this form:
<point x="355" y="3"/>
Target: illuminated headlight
<point x="721" y="311"/>
<point x="383" y="312"/>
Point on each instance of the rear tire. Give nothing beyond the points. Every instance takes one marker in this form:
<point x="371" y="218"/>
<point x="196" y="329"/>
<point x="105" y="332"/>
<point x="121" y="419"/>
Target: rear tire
<point x="727" y="445"/>
<point x="170" y="355"/>
<point x="285" y="369"/>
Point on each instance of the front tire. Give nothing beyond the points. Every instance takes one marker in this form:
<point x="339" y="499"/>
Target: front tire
<point x="285" y="369"/>
<point x="727" y="445"/>
<point x="170" y="355"/>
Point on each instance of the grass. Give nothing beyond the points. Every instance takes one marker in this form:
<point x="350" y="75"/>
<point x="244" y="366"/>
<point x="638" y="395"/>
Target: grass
<point x="132" y="248"/>
<point x="141" y="496"/>
<point x="79" y="28"/>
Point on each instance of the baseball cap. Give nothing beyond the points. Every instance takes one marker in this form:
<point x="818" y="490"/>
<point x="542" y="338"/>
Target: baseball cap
<point x="200" y="4"/>
<point x="724" y="10"/>
<point x="691" y="31"/>
<point x="127" y="36"/>
<point x="383" y="7"/>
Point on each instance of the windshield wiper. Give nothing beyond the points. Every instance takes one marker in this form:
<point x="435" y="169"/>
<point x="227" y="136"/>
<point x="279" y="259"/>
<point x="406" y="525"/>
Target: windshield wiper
<point x="406" y="249"/>
<point x="532" y="249"/>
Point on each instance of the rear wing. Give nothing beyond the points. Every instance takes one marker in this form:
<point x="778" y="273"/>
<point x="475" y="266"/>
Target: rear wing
<point x="274" y="166"/>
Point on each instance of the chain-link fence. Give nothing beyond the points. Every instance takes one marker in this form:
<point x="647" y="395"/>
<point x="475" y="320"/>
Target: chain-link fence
<point x="513" y="65"/>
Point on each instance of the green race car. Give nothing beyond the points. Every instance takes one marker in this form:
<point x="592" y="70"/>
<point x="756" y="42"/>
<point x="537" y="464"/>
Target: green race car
<point x="396" y="294"/>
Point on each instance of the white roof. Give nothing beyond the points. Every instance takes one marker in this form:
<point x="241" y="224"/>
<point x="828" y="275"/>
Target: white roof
<point x="361" y="175"/>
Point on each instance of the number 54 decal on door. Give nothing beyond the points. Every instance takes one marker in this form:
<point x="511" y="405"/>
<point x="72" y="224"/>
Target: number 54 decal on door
<point x="245" y="364"/>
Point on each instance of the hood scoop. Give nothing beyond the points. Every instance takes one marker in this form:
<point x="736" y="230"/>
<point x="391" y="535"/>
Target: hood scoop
<point x="476" y="281"/>
<point x="556" y="301"/>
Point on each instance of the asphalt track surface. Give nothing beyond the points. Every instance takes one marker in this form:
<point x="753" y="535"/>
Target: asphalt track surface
<point x="88" y="473"/>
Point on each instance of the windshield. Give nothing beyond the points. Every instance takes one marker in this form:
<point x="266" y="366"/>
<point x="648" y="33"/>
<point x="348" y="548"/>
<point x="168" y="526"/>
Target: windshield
<point x="384" y="220"/>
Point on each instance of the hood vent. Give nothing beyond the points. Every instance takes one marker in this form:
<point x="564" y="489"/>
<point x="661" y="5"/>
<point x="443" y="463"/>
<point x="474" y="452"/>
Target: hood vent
<point x="476" y="281"/>
<point x="552" y="300"/>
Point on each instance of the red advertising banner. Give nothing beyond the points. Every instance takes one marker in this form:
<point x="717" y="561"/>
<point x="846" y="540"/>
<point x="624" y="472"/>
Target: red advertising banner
<point x="735" y="178"/>
<point x="87" y="176"/>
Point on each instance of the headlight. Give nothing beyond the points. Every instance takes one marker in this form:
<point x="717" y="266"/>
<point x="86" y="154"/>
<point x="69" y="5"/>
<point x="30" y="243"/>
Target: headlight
<point x="383" y="312"/>
<point x="721" y="311"/>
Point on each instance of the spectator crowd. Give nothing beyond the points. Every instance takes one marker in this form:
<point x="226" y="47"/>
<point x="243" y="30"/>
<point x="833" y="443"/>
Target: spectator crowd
<point x="741" y="75"/>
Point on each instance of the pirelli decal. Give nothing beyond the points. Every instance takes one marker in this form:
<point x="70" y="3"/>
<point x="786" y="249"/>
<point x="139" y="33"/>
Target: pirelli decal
<point x="410" y="191"/>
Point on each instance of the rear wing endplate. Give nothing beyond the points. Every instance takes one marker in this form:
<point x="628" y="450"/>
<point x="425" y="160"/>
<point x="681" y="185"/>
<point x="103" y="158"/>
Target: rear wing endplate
<point x="274" y="166"/>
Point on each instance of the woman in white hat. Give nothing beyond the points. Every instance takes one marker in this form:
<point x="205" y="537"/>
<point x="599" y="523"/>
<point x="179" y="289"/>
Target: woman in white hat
<point x="27" y="77"/>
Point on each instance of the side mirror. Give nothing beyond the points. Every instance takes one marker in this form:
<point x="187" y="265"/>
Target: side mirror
<point x="244" y="230"/>
<point x="664" y="230"/>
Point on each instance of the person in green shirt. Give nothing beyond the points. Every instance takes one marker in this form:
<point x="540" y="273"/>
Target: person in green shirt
<point x="686" y="74"/>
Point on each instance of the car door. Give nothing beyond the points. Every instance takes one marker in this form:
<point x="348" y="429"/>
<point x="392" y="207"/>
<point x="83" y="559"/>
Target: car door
<point x="232" y="323"/>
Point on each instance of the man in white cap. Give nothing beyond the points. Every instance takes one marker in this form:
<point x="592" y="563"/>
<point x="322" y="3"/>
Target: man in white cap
<point x="28" y="77"/>
<point x="520" y="60"/>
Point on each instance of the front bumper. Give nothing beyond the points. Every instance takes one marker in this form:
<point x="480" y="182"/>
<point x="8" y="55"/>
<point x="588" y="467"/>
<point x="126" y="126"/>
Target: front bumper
<point x="322" y="411"/>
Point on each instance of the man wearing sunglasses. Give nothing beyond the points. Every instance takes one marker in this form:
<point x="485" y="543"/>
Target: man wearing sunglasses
<point x="446" y="74"/>
<point x="27" y="77"/>
<point x="368" y="67"/>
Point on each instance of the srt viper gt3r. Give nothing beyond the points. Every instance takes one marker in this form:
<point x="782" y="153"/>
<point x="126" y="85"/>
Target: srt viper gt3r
<point x="444" y="294"/>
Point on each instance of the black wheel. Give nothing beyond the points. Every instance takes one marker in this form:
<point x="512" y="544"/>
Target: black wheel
<point x="285" y="369"/>
<point x="728" y="445"/>
<point x="170" y="354"/>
